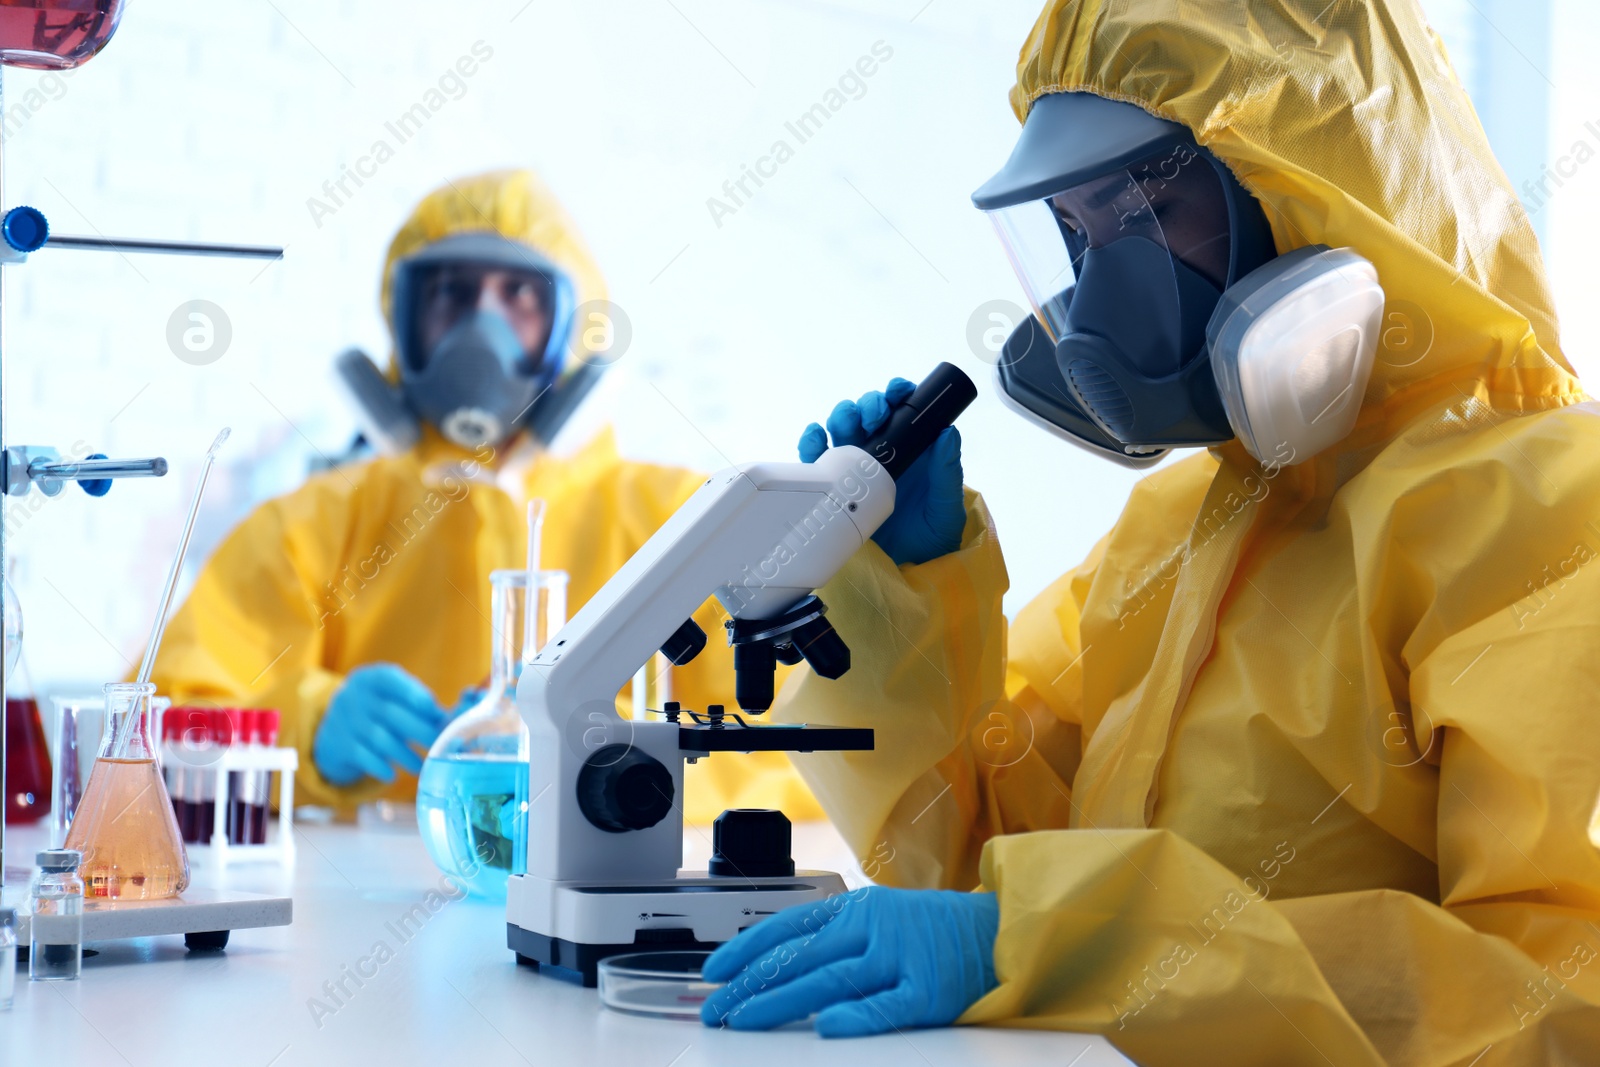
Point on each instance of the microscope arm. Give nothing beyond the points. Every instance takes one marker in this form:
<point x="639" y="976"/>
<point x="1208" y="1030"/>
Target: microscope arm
<point x="759" y="537"/>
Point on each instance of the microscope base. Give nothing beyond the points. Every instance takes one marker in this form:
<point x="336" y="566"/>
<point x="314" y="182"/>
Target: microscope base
<point x="539" y="952"/>
<point x="575" y="925"/>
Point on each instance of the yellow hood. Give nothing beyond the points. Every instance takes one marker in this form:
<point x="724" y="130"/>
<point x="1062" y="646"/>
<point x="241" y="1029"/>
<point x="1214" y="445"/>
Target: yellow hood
<point x="1347" y="122"/>
<point x="512" y="203"/>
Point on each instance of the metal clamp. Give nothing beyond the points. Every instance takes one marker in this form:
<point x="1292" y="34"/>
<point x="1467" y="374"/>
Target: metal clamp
<point x="171" y="248"/>
<point x="27" y="466"/>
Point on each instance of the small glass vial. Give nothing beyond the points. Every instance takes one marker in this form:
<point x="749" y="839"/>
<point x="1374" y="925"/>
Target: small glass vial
<point x="55" y="943"/>
<point x="8" y="957"/>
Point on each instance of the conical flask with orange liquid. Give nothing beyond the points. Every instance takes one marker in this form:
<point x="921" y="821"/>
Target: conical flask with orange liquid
<point x="124" y="825"/>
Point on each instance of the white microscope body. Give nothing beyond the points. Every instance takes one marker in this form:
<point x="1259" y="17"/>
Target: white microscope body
<point x="605" y="819"/>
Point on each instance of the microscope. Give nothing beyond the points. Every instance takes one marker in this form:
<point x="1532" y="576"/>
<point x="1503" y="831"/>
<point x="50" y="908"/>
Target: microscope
<point x="605" y="817"/>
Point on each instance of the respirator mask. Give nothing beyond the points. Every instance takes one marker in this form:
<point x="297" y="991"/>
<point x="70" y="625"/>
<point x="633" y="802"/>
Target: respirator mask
<point x="482" y="325"/>
<point x="1163" y="315"/>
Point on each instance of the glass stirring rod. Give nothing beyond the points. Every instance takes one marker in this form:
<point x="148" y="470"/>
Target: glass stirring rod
<point x="177" y="560"/>
<point x="530" y="632"/>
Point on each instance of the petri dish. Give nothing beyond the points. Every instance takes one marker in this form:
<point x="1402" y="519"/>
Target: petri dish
<point x="666" y="985"/>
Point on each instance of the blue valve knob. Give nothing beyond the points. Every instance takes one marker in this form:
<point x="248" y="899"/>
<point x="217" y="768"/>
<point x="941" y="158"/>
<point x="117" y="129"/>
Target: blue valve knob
<point x="92" y="486"/>
<point x="25" y="228"/>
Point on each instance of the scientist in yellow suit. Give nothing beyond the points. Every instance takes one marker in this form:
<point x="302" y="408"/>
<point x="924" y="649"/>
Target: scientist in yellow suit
<point x="1297" y="767"/>
<point x="358" y="605"/>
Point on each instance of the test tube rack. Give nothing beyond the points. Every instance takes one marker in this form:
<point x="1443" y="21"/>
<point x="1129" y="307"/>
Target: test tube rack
<point x="218" y="850"/>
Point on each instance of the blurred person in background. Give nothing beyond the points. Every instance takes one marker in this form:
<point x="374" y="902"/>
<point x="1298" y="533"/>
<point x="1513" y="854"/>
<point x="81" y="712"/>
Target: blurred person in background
<point x="358" y="605"/>
<point x="1297" y="767"/>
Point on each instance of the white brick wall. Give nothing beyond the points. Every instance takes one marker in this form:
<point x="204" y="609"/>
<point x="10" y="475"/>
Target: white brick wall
<point x="218" y="121"/>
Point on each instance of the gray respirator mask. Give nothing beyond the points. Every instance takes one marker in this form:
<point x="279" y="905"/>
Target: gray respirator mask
<point x="475" y="384"/>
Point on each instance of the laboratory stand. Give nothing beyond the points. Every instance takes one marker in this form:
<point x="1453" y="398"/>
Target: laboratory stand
<point x="61" y="35"/>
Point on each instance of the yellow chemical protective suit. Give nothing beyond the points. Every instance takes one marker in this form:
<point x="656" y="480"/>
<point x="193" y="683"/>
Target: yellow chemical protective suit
<point x="1298" y="766"/>
<point x="389" y="560"/>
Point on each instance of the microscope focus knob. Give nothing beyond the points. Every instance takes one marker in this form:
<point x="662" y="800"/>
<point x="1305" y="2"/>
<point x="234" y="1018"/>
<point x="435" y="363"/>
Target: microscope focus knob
<point x="621" y="789"/>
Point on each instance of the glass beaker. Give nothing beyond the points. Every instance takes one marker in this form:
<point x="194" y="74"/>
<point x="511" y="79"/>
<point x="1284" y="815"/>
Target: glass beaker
<point x="27" y="770"/>
<point x="76" y="722"/>
<point x="472" y="797"/>
<point x="55" y="34"/>
<point x="124" y="825"/>
<point x="8" y="957"/>
<point x="27" y="762"/>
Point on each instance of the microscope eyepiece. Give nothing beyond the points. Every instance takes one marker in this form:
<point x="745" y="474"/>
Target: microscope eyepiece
<point x="912" y="427"/>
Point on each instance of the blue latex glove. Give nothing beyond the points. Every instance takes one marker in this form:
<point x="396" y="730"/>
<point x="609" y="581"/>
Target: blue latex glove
<point x="371" y="726"/>
<point x="929" y="510"/>
<point x="865" y="962"/>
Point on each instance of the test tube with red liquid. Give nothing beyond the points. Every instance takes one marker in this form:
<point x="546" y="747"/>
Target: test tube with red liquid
<point x="222" y="722"/>
<point x="240" y="782"/>
<point x="171" y="732"/>
<point x="193" y="741"/>
<point x="249" y="790"/>
<point x="186" y="733"/>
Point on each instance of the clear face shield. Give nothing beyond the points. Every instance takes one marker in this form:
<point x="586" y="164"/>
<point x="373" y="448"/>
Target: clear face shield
<point x="1173" y="201"/>
<point x="1123" y="271"/>
<point x="450" y="294"/>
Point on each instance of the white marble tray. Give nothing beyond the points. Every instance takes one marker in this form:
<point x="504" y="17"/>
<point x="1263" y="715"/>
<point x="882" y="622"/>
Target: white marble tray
<point x="197" y="911"/>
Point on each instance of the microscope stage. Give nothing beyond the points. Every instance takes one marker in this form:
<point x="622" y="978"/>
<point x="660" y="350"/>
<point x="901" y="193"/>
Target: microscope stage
<point x="773" y="737"/>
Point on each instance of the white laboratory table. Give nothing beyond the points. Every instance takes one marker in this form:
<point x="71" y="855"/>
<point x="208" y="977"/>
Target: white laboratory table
<point x="451" y="993"/>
